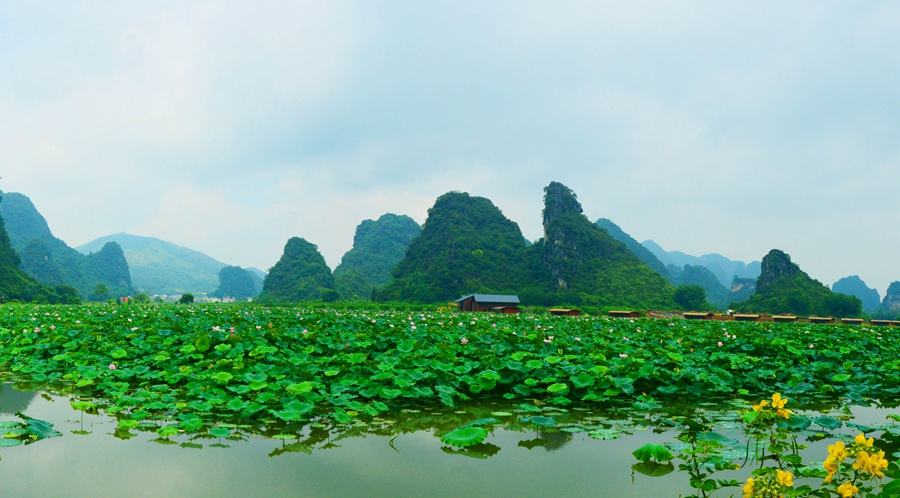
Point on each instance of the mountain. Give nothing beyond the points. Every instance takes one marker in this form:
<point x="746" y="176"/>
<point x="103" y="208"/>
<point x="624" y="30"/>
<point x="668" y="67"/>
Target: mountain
<point x="300" y="275"/>
<point x="160" y="267"/>
<point x="258" y="276"/>
<point x="742" y="289"/>
<point x="579" y="257"/>
<point x="855" y="286"/>
<point x="725" y="270"/>
<point x="378" y="246"/>
<point x="782" y="287"/>
<point x="52" y="262"/>
<point x="716" y="294"/>
<point x="634" y="246"/>
<point x="235" y="282"/>
<point x="466" y="245"/>
<point x="892" y="297"/>
<point x="16" y="285"/>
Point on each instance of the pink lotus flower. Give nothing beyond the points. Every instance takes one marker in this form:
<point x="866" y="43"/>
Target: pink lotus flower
<point x="112" y="366"/>
<point x="720" y="344"/>
<point x="463" y="341"/>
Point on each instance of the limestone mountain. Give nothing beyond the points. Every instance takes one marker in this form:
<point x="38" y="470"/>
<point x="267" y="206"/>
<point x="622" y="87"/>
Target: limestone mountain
<point x="892" y="298"/>
<point x="578" y="257"/>
<point x="634" y="246"/>
<point x="16" y="285"/>
<point x="782" y="287"/>
<point x="725" y="269"/>
<point x="160" y="267"/>
<point x="378" y="246"/>
<point x="300" y="275"/>
<point x="235" y="282"/>
<point x="855" y="286"/>
<point x="466" y="245"/>
<point x="52" y="262"/>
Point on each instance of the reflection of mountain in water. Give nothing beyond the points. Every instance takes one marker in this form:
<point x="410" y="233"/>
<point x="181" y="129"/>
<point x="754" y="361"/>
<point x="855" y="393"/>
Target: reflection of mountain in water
<point x="12" y="401"/>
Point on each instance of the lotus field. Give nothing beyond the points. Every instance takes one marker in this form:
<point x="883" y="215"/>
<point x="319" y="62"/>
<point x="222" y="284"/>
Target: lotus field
<point x="219" y="371"/>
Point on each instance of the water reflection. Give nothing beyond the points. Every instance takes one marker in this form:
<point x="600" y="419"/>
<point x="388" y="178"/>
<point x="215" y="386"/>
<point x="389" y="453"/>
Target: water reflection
<point x="529" y="452"/>
<point x="13" y="401"/>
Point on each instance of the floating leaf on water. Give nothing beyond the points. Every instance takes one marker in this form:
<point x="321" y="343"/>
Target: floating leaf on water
<point x="465" y="436"/>
<point x="605" y="434"/>
<point x="653" y="453"/>
<point x="828" y="422"/>
<point x="220" y="431"/>
<point x="501" y="414"/>
<point x="8" y="442"/>
<point x="540" y="421"/>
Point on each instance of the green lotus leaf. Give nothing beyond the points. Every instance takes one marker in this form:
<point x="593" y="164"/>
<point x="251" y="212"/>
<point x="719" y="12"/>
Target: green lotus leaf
<point x="465" y="436"/>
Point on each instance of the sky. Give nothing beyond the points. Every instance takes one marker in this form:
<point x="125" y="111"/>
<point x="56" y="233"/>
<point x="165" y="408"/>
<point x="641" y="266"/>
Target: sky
<point x="229" y="127"/>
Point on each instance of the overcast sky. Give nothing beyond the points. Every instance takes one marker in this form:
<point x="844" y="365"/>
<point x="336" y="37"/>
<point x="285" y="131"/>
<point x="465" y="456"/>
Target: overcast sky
<point x="229" y="127"/>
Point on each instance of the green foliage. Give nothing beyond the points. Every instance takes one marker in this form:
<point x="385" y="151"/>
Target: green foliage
<point x="300" y="275"/>
<point x="51" y="262"/>
<point x="235" y="282"/>
<point x="783" y="288"/>
<point x="100" y="293"/>
<point x="634" y="246"/>
<point x="264" y="364"/>
<point x="378" y="247"/>
<point x="15" y="285"/>
<point x="577" y="256"/>
<point x="186" y="298"/>
<point x="716" y="293"/>
<point x="466" y="245"/>
<point x="691" y="298"/>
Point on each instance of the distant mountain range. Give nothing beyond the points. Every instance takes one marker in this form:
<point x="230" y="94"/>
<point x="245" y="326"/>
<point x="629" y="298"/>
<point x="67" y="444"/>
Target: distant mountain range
<point x="160" y="267"/>
<point x="725" y="269"/>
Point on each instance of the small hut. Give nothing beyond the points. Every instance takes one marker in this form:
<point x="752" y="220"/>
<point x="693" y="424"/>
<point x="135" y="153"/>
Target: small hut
<point x="489" y="302"/>
<point x="697" y="315"/>
<point x="745" y="317"/>
<point x="881" y="323"/>
<point x="852" y="321"/>
<point x="821" y="319"/>
<point x="784" y="318"/>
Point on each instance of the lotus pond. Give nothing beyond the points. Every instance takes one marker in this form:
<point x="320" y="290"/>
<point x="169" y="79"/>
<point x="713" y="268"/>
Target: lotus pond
<point x="232" y="400"/>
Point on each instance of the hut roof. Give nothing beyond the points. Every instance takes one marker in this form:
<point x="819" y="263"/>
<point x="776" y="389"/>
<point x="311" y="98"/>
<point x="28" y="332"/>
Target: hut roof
<point x="492" y="298"/>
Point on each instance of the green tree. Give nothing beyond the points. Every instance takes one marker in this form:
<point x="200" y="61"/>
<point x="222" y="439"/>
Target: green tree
<point x="186" y="298"/>
<point x="100" y="293"/>
<point x="691" y="298"/>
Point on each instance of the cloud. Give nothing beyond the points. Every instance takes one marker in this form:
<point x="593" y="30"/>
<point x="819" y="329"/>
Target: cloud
<point x="230" y="127"/>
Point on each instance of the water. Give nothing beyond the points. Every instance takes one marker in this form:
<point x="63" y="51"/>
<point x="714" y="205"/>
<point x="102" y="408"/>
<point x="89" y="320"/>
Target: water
<point x="89" y="461"/>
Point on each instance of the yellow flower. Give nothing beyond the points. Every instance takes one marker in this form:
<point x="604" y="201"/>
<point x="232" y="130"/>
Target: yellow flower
<point x="873" y="464"/>
<point x="862" y="441"/>
<point x="838" y="451"/>
<point x="748" y="487"/>
<point x="847" y="490"/>
<point x="784" y="413"/>
<point x="778" y="402"/>
<point x="762" y="404"/>
<point x="785" y="478"/>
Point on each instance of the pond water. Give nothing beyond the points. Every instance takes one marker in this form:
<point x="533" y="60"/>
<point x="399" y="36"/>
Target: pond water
<point x="391" y="458"/>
